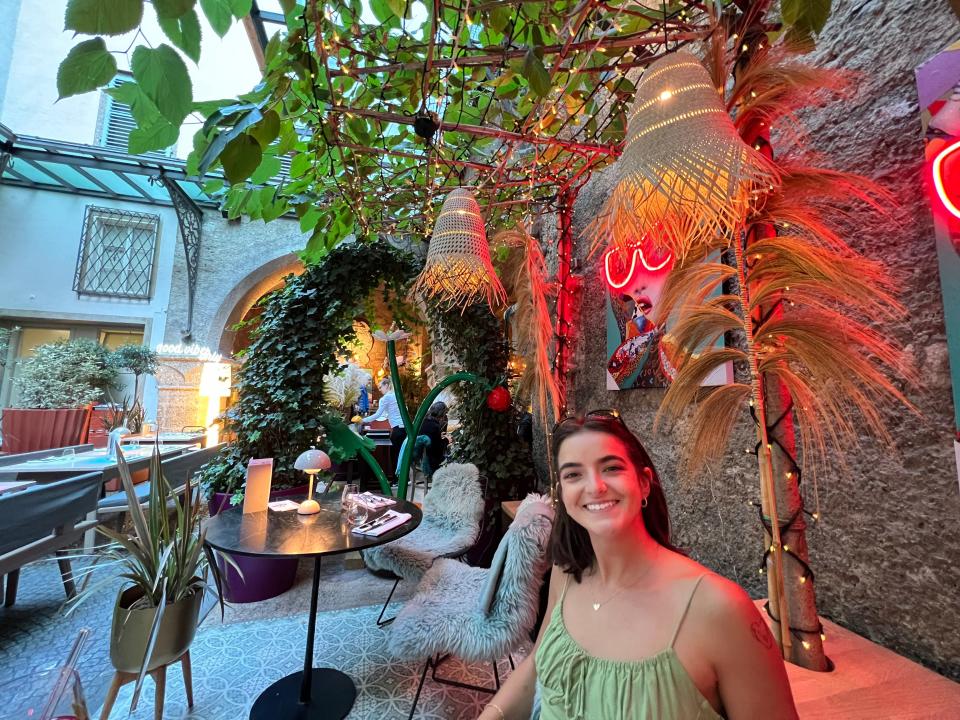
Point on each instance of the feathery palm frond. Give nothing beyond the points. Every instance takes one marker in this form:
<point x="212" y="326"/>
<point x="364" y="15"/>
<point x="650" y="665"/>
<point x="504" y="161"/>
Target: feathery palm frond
<point x="835" y="367"/>
<point x="717" y="410"/>
<point x="525" y="280"/>
<point x="811" y="192"/>
<point x="773" y="86"/>
<point x="687" y="386"/>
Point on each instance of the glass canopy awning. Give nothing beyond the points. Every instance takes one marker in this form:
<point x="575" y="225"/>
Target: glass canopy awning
<point x="44" y="164"/>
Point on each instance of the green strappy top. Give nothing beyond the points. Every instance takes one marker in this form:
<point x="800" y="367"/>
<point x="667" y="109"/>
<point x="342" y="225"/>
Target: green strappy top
<point x="574" y="685"/>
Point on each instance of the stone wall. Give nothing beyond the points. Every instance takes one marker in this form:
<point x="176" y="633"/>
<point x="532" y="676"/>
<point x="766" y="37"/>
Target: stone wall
<point x="886" y="551"/>
<point x="239" y="262"/>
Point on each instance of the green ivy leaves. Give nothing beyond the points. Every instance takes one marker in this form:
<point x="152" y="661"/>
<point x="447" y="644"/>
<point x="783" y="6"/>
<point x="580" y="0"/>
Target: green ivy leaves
<point x="241" y="157"/>
<point x="536" y="74"/>
<point x="162" y="95"/>
<point x="172" y="9"/>
<point x="153" y="131"/>
<point x="184" y="33"/>
<point x="87" y="67"/>
<point x="805" y="17"/>
<point x="220" y="13"/>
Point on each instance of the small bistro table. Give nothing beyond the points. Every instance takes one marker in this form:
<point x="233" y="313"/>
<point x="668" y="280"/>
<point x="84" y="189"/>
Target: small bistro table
<point x="313" y="693"/>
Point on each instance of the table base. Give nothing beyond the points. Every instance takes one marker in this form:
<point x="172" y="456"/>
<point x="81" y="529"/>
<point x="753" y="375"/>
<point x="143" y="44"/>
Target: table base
<point x="333" y="694"/>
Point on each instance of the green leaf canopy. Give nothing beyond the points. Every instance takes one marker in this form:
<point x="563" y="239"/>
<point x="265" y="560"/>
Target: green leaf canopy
<point x="103" y="17"/>
<point x="87" y="67"/>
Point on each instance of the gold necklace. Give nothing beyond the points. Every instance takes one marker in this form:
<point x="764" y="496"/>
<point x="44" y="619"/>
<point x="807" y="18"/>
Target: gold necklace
<point x="597" y="605"/>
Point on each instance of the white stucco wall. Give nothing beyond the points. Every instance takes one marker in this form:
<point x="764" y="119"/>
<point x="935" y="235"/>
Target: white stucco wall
<point x="29" y="106"/>
<point x="39" y="241"/>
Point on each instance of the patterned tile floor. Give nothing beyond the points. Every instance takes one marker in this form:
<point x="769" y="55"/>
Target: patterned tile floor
<point x="233" y="659"/>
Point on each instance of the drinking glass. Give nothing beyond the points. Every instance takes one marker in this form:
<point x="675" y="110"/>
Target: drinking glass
<point x="346" y="499"/>
<point x="58" y="692"/>
<point x="356" y="513"/>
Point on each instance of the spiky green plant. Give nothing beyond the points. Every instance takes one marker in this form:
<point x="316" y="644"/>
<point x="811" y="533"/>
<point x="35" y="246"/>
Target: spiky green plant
<point x="163" y="558"/>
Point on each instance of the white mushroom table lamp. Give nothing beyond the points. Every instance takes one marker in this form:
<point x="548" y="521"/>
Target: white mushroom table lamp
<point x="311" y="462"/>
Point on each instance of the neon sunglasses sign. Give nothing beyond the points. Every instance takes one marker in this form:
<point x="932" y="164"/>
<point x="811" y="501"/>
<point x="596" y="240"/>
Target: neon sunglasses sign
<point x="938" y="181"/>
<point x="636" y="255"/>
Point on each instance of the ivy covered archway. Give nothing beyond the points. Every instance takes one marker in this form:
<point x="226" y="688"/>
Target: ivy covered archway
<point x="305" y="327"/>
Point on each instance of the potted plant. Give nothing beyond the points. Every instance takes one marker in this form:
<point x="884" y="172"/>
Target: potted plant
<point x="57" y="386"/>
<point x="249" y="579"/>
<point x="139" y="360"/>
<point x="156" y="613"/>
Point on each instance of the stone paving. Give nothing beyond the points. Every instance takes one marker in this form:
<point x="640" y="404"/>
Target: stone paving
<point x="36" y="633"/>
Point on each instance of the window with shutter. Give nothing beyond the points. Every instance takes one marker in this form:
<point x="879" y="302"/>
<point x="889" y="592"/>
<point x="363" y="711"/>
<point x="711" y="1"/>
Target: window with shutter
<point x="116" y="122"/>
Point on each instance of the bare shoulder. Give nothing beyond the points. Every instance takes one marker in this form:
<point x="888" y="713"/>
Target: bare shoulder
<point x="723" y="609"/>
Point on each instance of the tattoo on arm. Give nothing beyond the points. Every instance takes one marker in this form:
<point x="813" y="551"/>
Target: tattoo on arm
<point x="762" y="633"/>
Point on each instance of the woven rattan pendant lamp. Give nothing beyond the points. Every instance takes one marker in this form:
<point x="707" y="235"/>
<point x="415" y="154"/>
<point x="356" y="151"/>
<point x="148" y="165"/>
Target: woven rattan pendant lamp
<point x="458" y="271"/>
<point x="684" y="172"/>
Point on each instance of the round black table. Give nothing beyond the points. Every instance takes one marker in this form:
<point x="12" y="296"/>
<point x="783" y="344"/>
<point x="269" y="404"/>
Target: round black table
<point x="313" y="693"/>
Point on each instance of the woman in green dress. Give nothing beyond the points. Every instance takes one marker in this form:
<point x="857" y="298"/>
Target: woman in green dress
<point x="634" y="629"/>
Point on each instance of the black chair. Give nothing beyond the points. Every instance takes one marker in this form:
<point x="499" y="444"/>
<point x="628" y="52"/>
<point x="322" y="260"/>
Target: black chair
<point x="176" y="470"/>
<point x="42" y="519"/>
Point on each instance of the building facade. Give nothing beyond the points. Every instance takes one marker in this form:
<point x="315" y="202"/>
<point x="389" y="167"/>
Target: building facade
<point x="93" y="244"/>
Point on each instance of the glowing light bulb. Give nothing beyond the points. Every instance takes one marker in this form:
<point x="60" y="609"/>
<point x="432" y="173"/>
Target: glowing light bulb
<point x="666" y="95"/>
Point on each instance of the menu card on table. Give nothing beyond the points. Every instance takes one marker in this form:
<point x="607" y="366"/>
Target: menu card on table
<point x="390" y="520"/>
<point x="257" y="492"/>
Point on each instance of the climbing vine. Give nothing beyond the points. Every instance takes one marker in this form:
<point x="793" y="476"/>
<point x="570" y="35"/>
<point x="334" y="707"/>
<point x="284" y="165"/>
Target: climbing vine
<point x="305" y="327"/>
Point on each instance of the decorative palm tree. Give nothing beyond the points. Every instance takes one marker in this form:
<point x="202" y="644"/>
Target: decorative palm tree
<point x="816" y="372"/>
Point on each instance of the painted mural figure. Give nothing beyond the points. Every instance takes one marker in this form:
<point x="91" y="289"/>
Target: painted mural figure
<point x="634" y="285"/>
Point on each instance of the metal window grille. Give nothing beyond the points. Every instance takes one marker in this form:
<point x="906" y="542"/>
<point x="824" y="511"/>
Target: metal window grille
<point x="116" y="253"/>
<point x="117" y="122"/>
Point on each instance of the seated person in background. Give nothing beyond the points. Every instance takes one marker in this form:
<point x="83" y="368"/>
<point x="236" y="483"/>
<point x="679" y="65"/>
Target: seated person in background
<point x="636" y="630"/>
<point x="434" y="427"/>
<point x="389" y="410"/>
<point x="447" y="396"/>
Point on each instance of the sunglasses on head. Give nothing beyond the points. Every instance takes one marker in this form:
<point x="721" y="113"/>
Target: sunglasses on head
<point x="603" y="414"/>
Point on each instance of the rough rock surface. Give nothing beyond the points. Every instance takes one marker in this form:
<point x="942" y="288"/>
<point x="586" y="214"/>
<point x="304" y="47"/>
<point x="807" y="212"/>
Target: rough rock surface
<point x="885" y="553"/>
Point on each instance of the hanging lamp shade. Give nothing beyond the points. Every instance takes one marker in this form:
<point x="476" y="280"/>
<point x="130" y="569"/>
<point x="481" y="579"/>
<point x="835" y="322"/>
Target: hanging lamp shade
<point x="458" y="271"/>
<point x="684" y="169"/>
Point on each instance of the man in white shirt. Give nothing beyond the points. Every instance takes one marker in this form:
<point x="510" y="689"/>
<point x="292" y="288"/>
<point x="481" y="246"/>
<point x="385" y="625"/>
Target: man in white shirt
<point x="389" y="410"/>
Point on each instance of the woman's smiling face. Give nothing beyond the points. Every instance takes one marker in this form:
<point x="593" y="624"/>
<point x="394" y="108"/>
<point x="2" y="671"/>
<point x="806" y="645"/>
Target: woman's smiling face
<point x="600" y="487"/>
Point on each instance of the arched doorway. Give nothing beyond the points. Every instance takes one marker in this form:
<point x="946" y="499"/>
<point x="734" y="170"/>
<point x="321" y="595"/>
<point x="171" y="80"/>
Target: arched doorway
<point x="240" y="303"/>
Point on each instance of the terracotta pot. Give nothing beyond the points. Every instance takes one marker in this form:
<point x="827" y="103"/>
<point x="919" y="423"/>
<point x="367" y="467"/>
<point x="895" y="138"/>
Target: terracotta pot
<point x="131" y="630"/>
<point x="26" y="430"/>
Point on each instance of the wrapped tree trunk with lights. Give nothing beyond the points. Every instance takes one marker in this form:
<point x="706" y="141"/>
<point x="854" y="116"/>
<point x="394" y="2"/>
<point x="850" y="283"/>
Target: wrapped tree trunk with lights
<point x="801" y="299"/>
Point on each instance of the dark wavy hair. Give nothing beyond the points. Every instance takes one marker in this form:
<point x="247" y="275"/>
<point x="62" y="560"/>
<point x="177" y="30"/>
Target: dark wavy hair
<point x="570" y="546"/>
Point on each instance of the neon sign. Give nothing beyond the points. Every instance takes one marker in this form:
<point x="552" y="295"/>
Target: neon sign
<point x="637" y="254"/>
<point x="938" y="181"/>
<point x="199" y="352"/>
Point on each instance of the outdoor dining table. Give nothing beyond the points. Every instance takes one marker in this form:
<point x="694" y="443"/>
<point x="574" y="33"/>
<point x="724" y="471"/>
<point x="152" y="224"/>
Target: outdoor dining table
<point x="313" y="693"/>
<point x="60" y="467"/>
<point x="14" y="485"/>
<point x="166" y="438"/>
